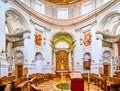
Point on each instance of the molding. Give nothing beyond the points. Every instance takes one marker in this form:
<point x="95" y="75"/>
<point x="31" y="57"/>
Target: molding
<point x="69" y="22"/>
<point x="22" y="32"/>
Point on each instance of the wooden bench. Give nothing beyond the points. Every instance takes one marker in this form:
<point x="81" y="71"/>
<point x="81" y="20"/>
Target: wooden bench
<point x="35" y="88"/>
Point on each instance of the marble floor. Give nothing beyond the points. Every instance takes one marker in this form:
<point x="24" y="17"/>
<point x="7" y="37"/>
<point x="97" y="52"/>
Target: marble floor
<point x="51" y="85"/>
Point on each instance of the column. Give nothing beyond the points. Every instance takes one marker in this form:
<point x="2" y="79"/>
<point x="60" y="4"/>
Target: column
<point x="53" y="61"/>
<point x="54" y="12"/>
<point x="114" y="59"/>
<point x="96" y="54"/>
<point x="47" y="51"/>
<point x="71" y="13"/>
<point x="99" y="3"/>
<point x="70" y="60"/>
<point x="94" y="4"/>
<point x="27" y="51"/>
<point x="26" y="37"/>
<point x="47" y="10"/>
<point x="78" y="9"/>
<point x="76" y="52"/>
<point x="32" y="3"/>
<point x="27" y="2"/>
<point x="3" y="62"/>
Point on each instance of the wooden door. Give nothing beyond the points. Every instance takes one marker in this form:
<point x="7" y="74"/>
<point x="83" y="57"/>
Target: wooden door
<point x="106" y="70"/>
<point x="19" y="70"/>
<point x="62" y="60"/>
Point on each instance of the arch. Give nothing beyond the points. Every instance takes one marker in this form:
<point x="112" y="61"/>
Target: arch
<point x="19" y="57"/>
<point x="108" y="23"/>
<point x="87" y="60"/>
<point x="62" y="37"/>
<point x="106" y="56"/>
<point x="87" y="56"/>
<point x="38" y="56"/>
<point x="15" y="21"/>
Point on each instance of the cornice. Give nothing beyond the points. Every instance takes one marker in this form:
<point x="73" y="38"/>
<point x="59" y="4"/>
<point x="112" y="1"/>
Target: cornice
<point x="63" y="6"/>
<point x="90" y="16"/>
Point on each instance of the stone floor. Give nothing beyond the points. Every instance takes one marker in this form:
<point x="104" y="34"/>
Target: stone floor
<point x="51" y="85"/>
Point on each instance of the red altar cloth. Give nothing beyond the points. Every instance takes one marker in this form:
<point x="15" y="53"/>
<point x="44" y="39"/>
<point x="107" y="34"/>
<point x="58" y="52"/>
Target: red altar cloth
<point x="77" y="84"/>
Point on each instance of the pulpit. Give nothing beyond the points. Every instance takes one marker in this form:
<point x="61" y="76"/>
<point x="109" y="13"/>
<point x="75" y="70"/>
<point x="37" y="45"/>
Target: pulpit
<point x="77" y="82"/>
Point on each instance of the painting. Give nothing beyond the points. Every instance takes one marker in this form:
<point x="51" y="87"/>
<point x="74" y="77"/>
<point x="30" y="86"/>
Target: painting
<point x="87" y="38"/>
<point x="38" y="39"/>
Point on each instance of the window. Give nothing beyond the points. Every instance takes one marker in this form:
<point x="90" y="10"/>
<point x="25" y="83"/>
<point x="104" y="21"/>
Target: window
<point x="22" y="1"/>
<point x="29" y="2"/>
<point x="62" y="13"/>
<point x="104" y="1"/>
<point x="97" y="4"/>
<point x="40" y="7"/>
<point x="86" y="8"/>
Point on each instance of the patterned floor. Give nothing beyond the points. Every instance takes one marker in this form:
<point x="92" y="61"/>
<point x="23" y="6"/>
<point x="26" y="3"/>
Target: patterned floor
<point x="52" y="85"/>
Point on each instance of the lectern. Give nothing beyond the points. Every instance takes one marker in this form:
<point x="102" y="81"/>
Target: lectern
<point x="77" y="82"/>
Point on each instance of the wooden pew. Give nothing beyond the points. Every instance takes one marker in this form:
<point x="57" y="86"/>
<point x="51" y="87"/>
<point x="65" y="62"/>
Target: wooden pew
<point x="35" y="88"/>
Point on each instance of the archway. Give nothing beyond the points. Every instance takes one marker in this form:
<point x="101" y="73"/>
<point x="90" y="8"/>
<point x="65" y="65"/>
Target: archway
<point x="87" y="61"/>
<point x="106" y="63"/>
<point x="18" y="60"/>
<point x="62" y="45"/>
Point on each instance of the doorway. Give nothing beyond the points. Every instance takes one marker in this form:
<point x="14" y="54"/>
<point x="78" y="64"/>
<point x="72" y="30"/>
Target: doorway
<point x="106" y="71"/>
<point x="19" y="70"/>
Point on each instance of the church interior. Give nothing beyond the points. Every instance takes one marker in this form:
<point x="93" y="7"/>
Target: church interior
<point x="60" y="45"/>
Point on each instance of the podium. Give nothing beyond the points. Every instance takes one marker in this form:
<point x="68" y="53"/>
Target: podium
<point x="77" y="84"/>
